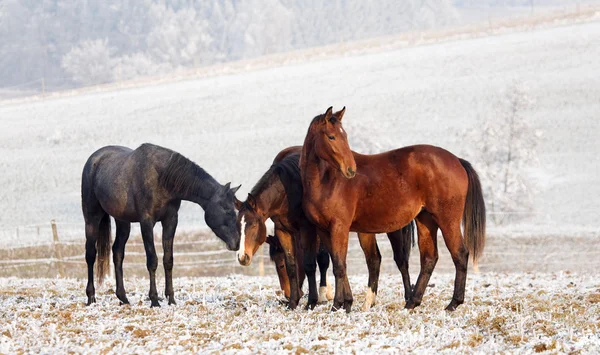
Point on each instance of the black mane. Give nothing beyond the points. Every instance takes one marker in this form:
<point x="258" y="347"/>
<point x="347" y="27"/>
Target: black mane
<point x="184" y="177"/>
<point x="288" y="167"/>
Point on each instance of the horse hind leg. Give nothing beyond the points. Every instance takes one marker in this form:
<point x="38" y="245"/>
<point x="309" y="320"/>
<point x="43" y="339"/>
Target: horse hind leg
<point x="91" y="235"/>
<point x="427" y="231"/>
<point x="97" y="232"/>
<point x="400" y="241"/>
<point x="460" y="256"/>
<point x="118" y="248"/>
<point x="368" y="243"/>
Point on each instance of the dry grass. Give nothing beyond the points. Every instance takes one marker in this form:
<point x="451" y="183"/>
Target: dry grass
<point x="241" y="313"/>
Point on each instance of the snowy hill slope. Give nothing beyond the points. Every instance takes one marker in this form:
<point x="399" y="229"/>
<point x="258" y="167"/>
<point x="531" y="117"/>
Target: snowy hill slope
<point x="234" y="125"/>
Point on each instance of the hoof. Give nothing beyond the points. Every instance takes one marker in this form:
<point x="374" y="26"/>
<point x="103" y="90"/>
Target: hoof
<point x="411" y="305"/>
<point x="453" y="305"/>
<point x="123" y="299"/>
<point x="91" y="300"/>
<point x="337" y="306"/>
<point x="154" y="304"/>
<point x="370" y="299"/>
<point x="310" y="306"/>
<point x="292" y="305"/>
<point x="323" y="293"/>
<point x="172" y="300"/>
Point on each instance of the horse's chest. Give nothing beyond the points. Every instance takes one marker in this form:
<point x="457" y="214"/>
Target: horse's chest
<point x="318" y="214"/>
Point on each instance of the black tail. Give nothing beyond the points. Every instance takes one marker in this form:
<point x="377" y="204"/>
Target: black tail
<point x="103" y="246"/>
<point x="408" y="238"/>
<point x="474" y="214"/>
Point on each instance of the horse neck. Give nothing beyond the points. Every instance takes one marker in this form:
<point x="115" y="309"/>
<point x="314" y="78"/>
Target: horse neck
<point x="270" y="199"/>
<point x="310" y="165"/>
<point x="200" y="188"/>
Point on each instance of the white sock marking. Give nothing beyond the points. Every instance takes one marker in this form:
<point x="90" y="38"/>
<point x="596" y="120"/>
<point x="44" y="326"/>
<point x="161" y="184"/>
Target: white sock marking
<point x="369" y="299"/>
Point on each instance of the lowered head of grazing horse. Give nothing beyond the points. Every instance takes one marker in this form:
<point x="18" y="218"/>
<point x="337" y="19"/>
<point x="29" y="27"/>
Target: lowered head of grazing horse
<point x="218" y="216"/>
<point x="252" y="223"/>
<point x="333" y="148"/>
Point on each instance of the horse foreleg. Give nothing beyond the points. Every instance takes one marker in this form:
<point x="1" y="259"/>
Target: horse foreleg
<point x="287" y="243"/>
<point x="308" y="241"/>
<point x="118" y="248"/>
<point x="368" y="243"/>
<point x="337" y="244"/>
<point x="169" y="226"/>
<point x="427" y="231"/>
<point x="151" y="259"/>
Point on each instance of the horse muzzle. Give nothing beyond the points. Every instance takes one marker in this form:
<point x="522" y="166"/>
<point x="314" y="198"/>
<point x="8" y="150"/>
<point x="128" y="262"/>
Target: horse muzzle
<point x="244" y="260"/>
<point x="349" y="173"/>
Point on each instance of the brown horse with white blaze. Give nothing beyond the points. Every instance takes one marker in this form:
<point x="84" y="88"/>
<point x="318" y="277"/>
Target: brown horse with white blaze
<point x="382" y="193"/>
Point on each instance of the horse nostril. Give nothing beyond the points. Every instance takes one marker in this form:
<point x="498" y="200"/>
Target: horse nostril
<point x="351" y="172"/>
<point x="244" y="260"/>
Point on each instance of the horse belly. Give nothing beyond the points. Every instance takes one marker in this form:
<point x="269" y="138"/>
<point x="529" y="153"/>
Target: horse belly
<point x="384" y="219"/>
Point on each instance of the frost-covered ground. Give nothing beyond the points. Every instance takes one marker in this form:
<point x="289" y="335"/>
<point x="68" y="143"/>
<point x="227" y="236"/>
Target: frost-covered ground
<point x="503" y="313"/>
<point x="233" y="125"/>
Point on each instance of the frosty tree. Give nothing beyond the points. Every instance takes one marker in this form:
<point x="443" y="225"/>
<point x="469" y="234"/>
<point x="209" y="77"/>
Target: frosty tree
<point x="90" y="63"/>
<point x="503" y="148"/>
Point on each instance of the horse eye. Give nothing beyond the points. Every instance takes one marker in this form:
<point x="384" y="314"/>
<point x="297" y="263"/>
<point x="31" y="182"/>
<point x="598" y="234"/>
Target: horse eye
<point x="331" y="138"/>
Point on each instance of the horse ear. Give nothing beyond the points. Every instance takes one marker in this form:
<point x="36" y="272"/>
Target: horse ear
<point x="327" y="115"/>
<point x="251" y="201"/>
<point x="340" y="114"/>
<point x="237" y="203"/>
<point x="227" y="186"/>
<point x="234" y="190"/>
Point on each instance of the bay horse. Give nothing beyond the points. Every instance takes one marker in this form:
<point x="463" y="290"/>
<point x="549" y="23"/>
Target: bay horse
<point x="146" y="185"/>
<point x="278" y="195"/>
<point x="344" y="190"/>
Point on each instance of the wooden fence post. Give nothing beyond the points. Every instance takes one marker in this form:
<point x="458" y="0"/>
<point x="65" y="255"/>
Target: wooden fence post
<point x="57" y="253"/>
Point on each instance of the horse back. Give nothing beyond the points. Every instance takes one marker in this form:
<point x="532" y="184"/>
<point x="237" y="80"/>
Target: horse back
<point x="393" y="187"/>
<point x="287" y="152"/>
<point x="119" y="179"/>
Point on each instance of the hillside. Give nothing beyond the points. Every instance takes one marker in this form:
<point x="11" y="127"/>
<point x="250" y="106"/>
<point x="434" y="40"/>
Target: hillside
<point x="233" y="125"/>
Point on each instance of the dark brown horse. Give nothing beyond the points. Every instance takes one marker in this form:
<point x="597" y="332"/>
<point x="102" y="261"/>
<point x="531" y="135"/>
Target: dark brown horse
<point x="146" y="185"/>
<point x="278" y="195"/>
<point x="380" y="193"/>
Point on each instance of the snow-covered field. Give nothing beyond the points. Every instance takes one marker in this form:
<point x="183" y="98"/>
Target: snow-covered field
<point x="503" y="313"/>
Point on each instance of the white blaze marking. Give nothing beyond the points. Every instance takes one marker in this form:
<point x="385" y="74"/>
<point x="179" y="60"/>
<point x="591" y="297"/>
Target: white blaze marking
<point x="242" y="249"/>
<point x="369" y="300"/>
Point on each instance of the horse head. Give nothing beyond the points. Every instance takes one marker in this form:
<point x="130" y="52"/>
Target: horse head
<point x="220" y="216"/>
<point x="329" y="142"/>
<point x="252" y="229"/>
